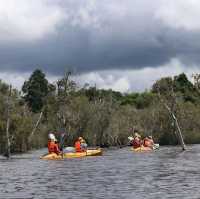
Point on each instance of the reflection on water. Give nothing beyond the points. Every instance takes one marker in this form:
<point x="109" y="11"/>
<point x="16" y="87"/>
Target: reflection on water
<point x="167" y="173"/>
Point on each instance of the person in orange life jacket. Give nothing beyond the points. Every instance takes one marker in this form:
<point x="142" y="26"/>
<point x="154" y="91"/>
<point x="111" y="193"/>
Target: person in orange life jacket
<point x="78" y="146"/>
<point x="137" y="142"/>
<point x="148" y="142"/>
<point x="52" y="144"/>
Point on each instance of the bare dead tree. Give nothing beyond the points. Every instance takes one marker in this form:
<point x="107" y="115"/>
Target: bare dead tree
<point x="8" y="142"/>
<point x="180" y="137"/>
<point x="171" y="112"/>
<point x="35" y="127"/>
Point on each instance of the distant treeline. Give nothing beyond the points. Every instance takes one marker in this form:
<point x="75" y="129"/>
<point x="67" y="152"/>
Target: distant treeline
<point x="102" y="117"/>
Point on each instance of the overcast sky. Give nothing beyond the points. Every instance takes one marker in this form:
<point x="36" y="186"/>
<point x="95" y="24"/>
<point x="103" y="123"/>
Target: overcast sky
<point x="124" y="45"/>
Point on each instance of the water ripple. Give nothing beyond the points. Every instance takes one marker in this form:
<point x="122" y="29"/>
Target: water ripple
<point x="167" y="173"/>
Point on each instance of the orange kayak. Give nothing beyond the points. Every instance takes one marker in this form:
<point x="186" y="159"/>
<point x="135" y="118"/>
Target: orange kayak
<point x="142" y="149"/>
<point x="146" y="149"/>
<point x="89" y="152"/>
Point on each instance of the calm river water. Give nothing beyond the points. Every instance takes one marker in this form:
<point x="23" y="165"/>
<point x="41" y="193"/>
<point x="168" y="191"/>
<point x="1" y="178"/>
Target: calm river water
<point x="119" y="173"/>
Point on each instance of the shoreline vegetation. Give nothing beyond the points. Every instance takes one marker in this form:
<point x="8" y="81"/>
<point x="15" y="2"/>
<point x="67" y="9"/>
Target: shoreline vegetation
<point x="103" y="117"/>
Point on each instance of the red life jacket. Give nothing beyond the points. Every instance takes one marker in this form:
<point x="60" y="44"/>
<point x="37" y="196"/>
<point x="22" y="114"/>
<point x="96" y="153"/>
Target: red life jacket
<point x="148" y="142"/>
<point x="78" y="147"/>
<point x="53" y="147"/>
<point x="136" y="143"/>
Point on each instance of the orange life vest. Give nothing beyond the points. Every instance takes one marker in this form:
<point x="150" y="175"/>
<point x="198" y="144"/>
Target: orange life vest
<point x="53" y="147"/>
<point x="78" y="147"/>
<point x="136" y="143"/>
<point x="148" y="142"/>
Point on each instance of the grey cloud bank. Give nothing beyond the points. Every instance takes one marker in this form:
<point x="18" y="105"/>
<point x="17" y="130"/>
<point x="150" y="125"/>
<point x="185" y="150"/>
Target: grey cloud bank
<point x="88" y="36"/>
<point x="97" y="35"/>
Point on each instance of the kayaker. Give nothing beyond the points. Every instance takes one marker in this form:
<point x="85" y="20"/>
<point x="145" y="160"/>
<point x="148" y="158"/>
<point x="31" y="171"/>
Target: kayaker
<point x="83" y="144"/>
<point x="52" y="144"/>
<point x="137" y="142"/>
<point x="148" y="142"/>
<point x="78" y="145"/>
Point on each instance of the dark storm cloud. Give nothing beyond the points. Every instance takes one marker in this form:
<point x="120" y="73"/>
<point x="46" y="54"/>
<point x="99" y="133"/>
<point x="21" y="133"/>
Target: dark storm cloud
<point x="98" y="35"/>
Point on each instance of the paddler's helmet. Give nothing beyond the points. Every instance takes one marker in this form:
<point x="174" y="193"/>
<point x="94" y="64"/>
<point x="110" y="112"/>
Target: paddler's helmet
<point x="51" y="136"/>
<point x="137" y="135"/>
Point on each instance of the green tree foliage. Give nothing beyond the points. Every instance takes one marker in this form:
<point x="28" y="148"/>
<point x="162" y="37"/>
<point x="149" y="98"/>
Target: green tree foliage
<point x="139" y="100"/>
<point x="186" y="88"/>
<point x="3" y="88"/>
<point x="94" y="94"/>
<point x="178" y="86"/>
<point x="196" y="78"/>
<point x="35" y="90"/>
<point x="102" y="117"/>
<point x="163" y="86"/>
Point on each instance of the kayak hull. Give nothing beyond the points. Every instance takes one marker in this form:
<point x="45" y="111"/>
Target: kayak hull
<point x="89" y="152"/>
<point x="146" y="149"/>
<point x="142" y="149"/>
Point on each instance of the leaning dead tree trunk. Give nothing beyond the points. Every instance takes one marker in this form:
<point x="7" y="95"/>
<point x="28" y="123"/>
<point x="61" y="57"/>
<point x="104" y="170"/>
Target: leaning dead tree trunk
<point x="180" y="137"/>
<point x="8" y="143"/>
<point x="171" y="112"/>
<point x="35" y="127"/>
